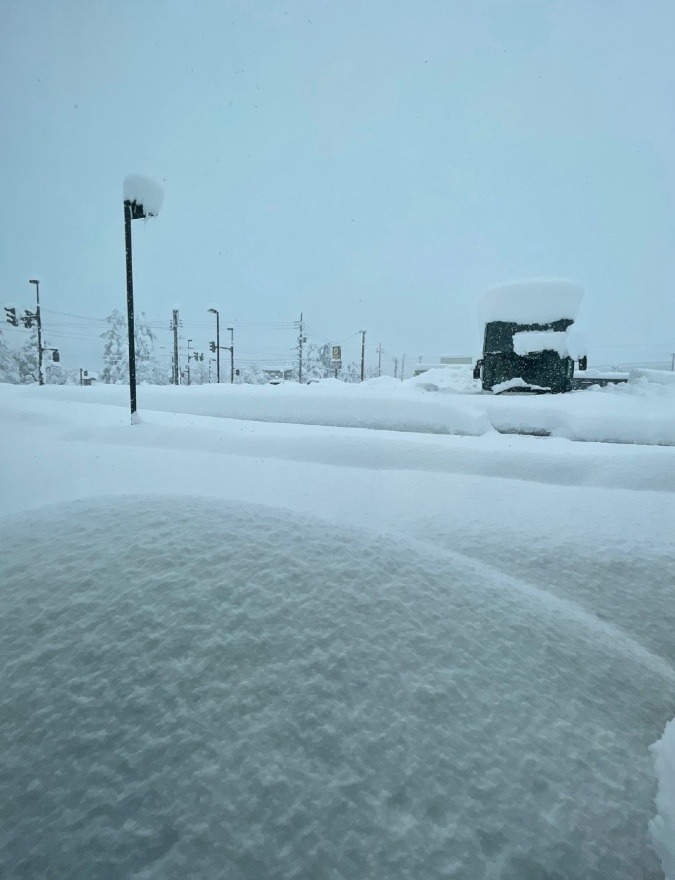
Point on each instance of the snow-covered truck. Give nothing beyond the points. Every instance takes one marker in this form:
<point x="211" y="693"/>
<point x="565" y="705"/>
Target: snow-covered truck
<point x="528" y="342"/>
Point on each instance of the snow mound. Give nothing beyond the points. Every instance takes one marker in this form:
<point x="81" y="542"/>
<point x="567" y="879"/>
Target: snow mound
<point x="457" y="380"/>
<point x="512" y="384"/>
<point x="662" y="826"/>
<point x="145" y="192"/>
<point x="204" y="689"/>
<point x="655" y="377"/>
<point x="382" y="383"/>
<point x="650" y="384"/>
<point x="531" y="302"/>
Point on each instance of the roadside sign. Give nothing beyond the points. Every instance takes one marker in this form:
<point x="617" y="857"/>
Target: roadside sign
<point x="337" y="353"/>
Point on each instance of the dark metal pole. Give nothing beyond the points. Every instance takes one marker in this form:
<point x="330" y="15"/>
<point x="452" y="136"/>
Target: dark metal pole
<point x="218" y="347"/>
<point x="176" y="369"/>
<point x="231" y="329"/>
<point x="363" y="353"/>
<point x="38" y="321"/>
<point x="41" y="378"/>
<point x="130" y="311"/>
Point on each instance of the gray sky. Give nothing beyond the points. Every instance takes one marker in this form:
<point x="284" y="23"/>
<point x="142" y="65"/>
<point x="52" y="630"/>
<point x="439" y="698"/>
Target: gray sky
<point x="375" y="165"/>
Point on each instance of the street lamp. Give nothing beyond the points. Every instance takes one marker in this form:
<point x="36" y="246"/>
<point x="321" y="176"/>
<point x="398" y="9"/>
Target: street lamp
<point x="231" y="329"/>
<point x="142" y="198"/>
<point x="41" y="378"/>
<point x="215" y="312"/>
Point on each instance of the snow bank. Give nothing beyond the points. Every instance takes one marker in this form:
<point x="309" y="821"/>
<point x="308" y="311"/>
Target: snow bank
<point x="450" y="380"/>
<point x="225" y="690"/>
<point x="662" y="827"/>
<point x="531" y="341"/>
<point x="638" y="411"/>
<point x="145" y="192"/>
<point x="531" y="302"/>
<point x="655" y="377"/>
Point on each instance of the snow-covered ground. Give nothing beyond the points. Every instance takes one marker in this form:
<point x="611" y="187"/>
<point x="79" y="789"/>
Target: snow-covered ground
<point x="252" y="638"/>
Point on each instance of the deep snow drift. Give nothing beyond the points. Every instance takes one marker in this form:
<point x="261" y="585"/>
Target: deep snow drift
<point x="663" y="825"/>
<point x="226" y="691"/>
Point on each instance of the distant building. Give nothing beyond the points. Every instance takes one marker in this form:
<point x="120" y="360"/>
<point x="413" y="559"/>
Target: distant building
<point x="278" y="374"/>
<point x="447" y="361"/>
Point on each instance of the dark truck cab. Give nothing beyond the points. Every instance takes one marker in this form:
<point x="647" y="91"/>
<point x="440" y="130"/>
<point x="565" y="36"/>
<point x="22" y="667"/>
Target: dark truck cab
<point x="537" y="361"/>
<point x="542" y="371"/>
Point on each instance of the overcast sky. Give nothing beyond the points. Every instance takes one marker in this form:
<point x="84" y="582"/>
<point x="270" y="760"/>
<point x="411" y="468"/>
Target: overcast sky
<point x="374" y="165"/>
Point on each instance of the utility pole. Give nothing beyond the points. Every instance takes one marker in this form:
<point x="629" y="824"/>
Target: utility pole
<point x="231" y="329"/>
<point x="215" y="346"/>
<point x="379" y="360"/>
<point x="174" y="327"/>
<point x="395" y="368"/>
<point x="402" y="366"/>
<point x="363" y="353"/>
<point x="41" y="375"/>
<point x="301" y="341"/>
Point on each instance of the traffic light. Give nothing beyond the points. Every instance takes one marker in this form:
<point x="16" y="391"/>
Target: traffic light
<point x="10" y="311"/>
<point x="56" y="357"/>
<point x="212" y="345"/>
<point x="200" y="356"/>
<point x="28" y="318"/>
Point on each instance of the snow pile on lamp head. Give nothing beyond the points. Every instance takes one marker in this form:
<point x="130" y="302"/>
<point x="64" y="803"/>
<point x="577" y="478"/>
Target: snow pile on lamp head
<point x="145" y="192"/>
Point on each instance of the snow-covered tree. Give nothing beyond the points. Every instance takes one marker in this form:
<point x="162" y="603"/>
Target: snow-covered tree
<point x="147" y="367"/>
<point x="250" y="375"/>
<point x="57" y="374"/>
<point x="317" y="362"/>
<point x="199" y="370"/>
<point x="116" y="350"/>
<point x="26" y="359"/>
<point x="9" y="370"/>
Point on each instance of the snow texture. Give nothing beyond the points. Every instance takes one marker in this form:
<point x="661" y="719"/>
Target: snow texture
<point x="226" y="690"/>
<point x="145" y="192"/>
<point x="513" y="384"/>
<point x="531" y="302"/>
<point x="531" y="341"/>
<point x="662" y="826"/>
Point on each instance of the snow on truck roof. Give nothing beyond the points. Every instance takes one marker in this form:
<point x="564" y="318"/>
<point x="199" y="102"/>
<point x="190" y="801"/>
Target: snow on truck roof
<point x="531" y="302"/>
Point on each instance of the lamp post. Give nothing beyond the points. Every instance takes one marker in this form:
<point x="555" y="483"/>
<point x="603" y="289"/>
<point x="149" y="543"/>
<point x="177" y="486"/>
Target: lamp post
<point x="215" y="312"/>
<point x="41" y="378"/>
<point x="231" y="329"/>
<point x="142" y="198"/>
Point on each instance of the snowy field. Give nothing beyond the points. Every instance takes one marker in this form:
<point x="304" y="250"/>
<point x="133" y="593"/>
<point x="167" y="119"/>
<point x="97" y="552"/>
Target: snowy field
<point x="252" y="637"/>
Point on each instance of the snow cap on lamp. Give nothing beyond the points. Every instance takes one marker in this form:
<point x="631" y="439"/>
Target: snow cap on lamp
<point x="145" y="192"/>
